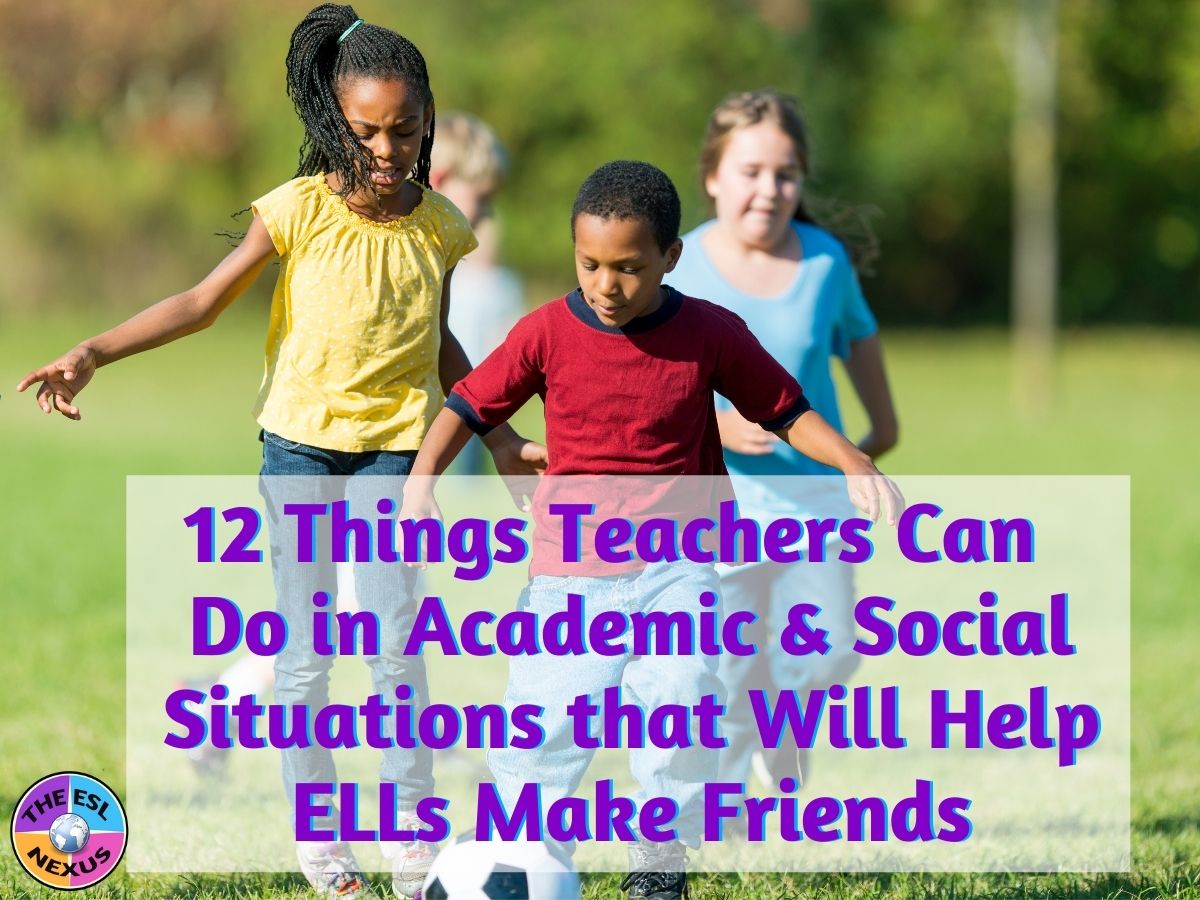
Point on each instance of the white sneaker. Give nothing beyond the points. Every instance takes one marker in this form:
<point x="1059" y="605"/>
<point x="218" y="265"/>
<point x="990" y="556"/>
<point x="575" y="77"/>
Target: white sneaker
<point x="410" y="860"/>
<point x="332" y="870"/>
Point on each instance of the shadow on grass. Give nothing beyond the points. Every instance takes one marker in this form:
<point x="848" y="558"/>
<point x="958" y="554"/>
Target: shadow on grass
<point x="907" y="886"/>
<point x="1170" y="825"/>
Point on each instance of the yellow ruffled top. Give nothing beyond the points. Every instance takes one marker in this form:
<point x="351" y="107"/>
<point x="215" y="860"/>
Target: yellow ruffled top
<point x="354" y="336"/>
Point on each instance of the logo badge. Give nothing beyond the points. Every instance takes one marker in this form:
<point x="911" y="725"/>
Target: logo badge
<point x="69" y="830"/>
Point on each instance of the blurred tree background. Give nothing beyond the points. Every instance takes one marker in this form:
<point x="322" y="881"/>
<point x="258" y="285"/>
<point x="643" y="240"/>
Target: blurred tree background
<point x="132" y="130"/>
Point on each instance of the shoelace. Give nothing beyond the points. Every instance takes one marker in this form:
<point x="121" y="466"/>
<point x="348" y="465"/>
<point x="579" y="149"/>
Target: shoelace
<point x="342" y="882"/>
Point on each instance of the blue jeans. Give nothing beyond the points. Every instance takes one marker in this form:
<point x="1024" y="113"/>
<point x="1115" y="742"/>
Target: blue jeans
<point x="647" y="681"/>
<point x="769" y="591"/>
<point x="385" y="589"/>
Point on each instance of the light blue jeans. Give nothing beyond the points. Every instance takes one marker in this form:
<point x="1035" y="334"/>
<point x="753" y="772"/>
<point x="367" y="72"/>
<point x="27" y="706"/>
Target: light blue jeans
<point x="769" y="591"/>
<point x="298" y="473"/>
<point x="647" y="681"/>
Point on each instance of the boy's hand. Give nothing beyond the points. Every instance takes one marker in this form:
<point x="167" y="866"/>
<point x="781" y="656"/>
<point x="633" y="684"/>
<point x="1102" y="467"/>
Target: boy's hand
<point x="743" y="436"/>
<point x="62" y="380"/>
<point x="520" y="462"/>
<point x="870" y="490"/>
<point x="873" y="492"/>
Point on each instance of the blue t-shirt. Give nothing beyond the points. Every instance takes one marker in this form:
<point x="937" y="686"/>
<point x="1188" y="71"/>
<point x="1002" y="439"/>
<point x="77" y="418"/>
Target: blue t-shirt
<point x="817" y="317"/>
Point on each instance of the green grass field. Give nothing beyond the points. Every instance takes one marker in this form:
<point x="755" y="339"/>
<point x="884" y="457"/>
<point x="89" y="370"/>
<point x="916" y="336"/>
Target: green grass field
<point x="1123" y="406"/>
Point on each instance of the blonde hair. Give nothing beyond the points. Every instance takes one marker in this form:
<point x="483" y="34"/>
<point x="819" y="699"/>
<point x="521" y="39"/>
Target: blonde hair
<point x="469" y="150"/>
<point x="849" y="224"/>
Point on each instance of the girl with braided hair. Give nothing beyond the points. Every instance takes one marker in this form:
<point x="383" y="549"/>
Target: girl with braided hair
<point x="358" y="358"/>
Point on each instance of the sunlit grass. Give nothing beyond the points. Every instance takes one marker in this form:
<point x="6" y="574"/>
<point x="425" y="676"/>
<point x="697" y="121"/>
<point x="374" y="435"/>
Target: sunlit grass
<point x="1124" y="404"/>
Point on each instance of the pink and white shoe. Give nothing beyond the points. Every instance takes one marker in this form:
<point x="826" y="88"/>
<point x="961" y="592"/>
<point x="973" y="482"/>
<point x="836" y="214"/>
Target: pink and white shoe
<point x="332" y="870"/>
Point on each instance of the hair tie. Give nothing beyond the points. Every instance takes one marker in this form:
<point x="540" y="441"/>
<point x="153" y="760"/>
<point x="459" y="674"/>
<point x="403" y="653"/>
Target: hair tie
<point x="346" y="33"/>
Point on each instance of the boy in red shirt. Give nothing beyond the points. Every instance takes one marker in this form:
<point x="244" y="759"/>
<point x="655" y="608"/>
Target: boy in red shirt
<point x="627" y="367"/>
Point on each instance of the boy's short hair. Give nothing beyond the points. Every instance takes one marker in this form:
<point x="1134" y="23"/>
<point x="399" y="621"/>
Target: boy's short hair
<point x="627" y="189"/>
<point x="466" y="148"/>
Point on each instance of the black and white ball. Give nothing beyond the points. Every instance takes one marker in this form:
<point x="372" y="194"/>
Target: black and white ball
<point x="468" y="869"/>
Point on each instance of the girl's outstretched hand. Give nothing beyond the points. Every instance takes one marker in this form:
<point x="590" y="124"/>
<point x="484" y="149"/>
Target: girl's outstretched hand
<point x="521" y="457"/>
<point x="519" y="462"/>
<point x="743" y="436"/>
<point x="62" y="380"/>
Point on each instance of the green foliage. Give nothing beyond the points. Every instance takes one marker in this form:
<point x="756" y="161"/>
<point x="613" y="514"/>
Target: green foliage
<point x="133" y="131"/>
<point x="1131" y="130"/>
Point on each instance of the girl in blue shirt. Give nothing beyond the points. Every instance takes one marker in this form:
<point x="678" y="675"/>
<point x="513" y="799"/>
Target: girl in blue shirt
<point x="765" y="258"/>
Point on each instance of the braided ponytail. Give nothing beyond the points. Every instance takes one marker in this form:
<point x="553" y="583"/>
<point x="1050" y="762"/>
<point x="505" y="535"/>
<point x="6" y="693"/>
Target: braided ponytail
<point x="326" y="49"/>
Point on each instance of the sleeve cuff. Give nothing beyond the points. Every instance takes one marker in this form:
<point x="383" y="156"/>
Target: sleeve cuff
<point x="464" y="410"/>
<point x="793" y="412"/>
<point x="272" y="227"/>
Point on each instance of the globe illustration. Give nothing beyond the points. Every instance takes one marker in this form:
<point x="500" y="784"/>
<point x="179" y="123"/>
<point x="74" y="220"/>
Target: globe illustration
<point x="69" y="833"/>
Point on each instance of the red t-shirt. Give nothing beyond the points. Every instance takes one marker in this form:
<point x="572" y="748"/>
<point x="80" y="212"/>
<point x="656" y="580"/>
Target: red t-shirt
<point x="632" y="401"/>
<point x="636" y="400"/>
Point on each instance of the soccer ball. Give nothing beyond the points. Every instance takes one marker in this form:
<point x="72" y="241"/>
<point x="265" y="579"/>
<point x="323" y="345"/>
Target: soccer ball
<point x="69" y="833"/>
<point x="467" y="869"/>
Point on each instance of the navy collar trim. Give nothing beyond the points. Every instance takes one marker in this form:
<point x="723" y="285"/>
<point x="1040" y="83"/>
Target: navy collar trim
<point x="671" y="304"/>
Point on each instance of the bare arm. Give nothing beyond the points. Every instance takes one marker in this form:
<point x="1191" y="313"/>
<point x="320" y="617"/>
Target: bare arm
<point x="445" y="439"/>
<point x="817" y="439"/>
<point x="869" y="377"/>
<point x="513" y="454"/>
<point x="178" y="315"/>
<point x="869" y="488"/>
<point x="453" y="364"/>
